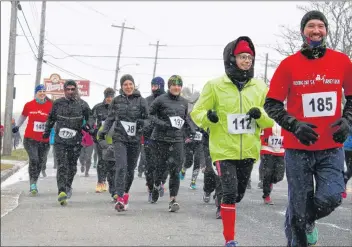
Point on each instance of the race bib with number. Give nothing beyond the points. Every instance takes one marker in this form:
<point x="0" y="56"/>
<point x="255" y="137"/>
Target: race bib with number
<point x="319" y="104"/>
<point x="275" y="141"/>
<point x="129" y="127"/>
<point x="240" y="124"/>
<point x="102" y="123"/>
<point x="38" y="126"/>
<point x="177" y="122"/>
<point x="198" y="136"/>
<point x="66" y="133"/>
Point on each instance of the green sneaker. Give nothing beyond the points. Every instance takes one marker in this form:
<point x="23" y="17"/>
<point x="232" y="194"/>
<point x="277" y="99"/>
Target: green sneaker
<point x="62" y="198"/>
<point x="312" y="237"/>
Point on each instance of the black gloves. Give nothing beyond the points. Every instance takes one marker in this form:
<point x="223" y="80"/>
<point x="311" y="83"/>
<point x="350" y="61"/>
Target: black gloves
<point x="304" y="132"/>
<point x="45" y="135"/>
<point x="254" y="112"/>
<point x="101" y="135"/>
<point x="340" y="134"/>
<point x="140" y="123"/>
<point x="212" y="116"/>
<point x="15" y="129"/>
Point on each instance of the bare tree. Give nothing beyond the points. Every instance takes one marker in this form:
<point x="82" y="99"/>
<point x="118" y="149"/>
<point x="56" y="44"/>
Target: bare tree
<point x="339" y="16"/>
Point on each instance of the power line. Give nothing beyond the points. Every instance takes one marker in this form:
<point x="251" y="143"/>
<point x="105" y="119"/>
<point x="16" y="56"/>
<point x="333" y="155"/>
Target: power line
<point x="29" y="27"/>
<point x="29" y="43"/>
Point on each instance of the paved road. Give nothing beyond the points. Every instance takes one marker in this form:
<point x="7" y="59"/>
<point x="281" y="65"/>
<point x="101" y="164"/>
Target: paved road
<point x="89" y="218"/>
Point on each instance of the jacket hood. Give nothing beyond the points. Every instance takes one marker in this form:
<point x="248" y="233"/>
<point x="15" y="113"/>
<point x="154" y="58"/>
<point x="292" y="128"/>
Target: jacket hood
<point x="232" y="70"/>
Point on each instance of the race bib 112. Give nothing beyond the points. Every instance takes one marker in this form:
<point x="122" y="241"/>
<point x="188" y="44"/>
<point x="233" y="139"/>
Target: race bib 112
<point x="129" y="127"/>
<point x="319" y="104"/>
<point x="240" y="124"/>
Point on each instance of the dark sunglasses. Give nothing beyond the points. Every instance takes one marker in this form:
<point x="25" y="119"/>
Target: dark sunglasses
<point x="70" y="89"/>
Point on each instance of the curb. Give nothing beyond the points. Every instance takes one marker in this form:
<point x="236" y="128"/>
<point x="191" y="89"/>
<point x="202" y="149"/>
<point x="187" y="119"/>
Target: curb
<point x="8" y="173"/>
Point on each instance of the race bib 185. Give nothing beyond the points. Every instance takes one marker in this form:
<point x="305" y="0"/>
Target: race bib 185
<point x="319" y="104"/>
<point x="240" y="124"/>
<point x="177" y="122"/>
<point x="38" y="126"/>
<point x="66" y="133"/>
<point x="198" y="136"/>
<point x="129" y="127"/>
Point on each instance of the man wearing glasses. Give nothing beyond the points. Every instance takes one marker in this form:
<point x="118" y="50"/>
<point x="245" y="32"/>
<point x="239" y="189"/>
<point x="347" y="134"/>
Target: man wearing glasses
<point x="69" y="113"/>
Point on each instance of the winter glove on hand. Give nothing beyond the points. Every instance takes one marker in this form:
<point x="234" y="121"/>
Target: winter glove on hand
<point x="46" y="135"/>
<point x="212" y="116"/>
<point x="101" y="135"/>
<point x="340" y="134"/>
<point x="254" y="112"/>
<point x="15" y="129"/>
<point x="305" y="133"/>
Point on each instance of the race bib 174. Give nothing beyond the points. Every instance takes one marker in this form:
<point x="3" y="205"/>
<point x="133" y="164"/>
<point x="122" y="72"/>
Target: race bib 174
<point x="275" y="141"/>
<point x="177" y="122"/>
<point x="38" y="126"/>
<point x="240" y="124"/>
<point x="319" y="104"/>
<point x="129" y="127"/>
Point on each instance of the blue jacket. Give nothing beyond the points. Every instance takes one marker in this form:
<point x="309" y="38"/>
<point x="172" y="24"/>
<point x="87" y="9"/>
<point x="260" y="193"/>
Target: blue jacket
<point x="52" y="136"/>
<point x="348" y="143"/>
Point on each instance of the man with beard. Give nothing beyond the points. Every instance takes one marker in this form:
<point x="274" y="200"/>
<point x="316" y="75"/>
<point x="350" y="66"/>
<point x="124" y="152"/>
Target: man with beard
<point x="68" y="113"/>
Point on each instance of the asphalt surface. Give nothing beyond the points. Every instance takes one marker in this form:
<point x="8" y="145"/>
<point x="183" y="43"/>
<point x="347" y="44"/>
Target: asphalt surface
<point x="90" y="219"/>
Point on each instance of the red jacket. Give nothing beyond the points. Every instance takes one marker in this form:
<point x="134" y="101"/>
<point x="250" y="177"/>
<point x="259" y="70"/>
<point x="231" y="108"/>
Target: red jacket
<point x="272" y="141"/>
<point x="313" y="88"/>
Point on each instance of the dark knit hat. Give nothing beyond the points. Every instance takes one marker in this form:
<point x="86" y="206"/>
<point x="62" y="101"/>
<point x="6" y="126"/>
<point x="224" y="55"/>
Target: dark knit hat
<point x="158" y="81"/>
<point x="70" y="83"/>
<point x="313" y="15"/>
<point x="175" y="80"/>
<point x="109" y="92"/>
<point x="125" y="78"/>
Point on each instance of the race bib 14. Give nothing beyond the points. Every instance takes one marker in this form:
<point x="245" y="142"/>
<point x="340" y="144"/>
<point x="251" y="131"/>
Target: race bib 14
<point x="38" y="126"/>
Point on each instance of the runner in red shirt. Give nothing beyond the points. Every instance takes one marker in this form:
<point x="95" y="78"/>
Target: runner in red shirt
<point x="315" y="127"/>
<point x="37" y="148"/>
<point x="272" y="159"/>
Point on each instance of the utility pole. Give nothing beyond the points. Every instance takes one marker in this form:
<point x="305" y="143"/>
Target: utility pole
<point x="266" y="68"/>
<point x="119" y="53"/>
<point x="7" y="147"/>
<point x="156" y="55"/>
<point x="41" y="45"/>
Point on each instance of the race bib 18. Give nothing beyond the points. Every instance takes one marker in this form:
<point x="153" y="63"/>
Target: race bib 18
<point x="66" y="133"/>
<point x="177" y="122"/>
<point x="129" y="127"/>
<point x="275" y="141"/>
<point x="240" y="124"/>
<point x="198" y="136"/>
<point x="319" y="104"/>
<point x="38" y="126"/>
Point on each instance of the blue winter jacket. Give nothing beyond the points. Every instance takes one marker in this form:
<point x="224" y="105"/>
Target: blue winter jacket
<point x="348" y="143"/>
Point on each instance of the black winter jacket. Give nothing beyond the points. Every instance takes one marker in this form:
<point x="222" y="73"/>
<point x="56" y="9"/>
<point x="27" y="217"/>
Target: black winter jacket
<point x="148" y="127"/>
<point x="129" y="112"/>
<point x="68" y="116"/>
<point x="100" y="113"/>
<point x="164" y="107"/>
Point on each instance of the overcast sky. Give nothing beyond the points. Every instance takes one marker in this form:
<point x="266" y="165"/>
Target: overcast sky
<point x="189" y="29"/>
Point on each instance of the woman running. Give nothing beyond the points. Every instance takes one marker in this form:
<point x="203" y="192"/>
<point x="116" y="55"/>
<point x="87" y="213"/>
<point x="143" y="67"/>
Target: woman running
<point x="37" y="148"/>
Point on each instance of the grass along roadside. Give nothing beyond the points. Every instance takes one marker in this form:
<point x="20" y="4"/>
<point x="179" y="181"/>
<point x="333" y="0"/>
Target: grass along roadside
<point x="18" y="154"/>
<point x="5" y="166"/>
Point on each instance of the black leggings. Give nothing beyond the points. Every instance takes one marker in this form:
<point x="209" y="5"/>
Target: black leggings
<point x="38" y="154"/>
<point x="274" y="171"/>
<point x="348" y="159"/>
<point x="67" y="157"/>
<point x="168" y="156"/>
<point x="126" y="156"/>
<point x="101" y="167"/>
<point x="234" y="176"/>
<point x="194" y="155"/>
